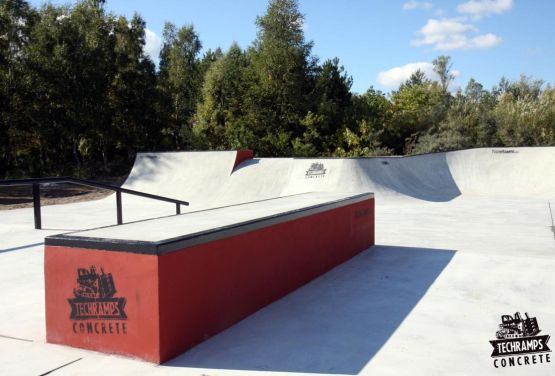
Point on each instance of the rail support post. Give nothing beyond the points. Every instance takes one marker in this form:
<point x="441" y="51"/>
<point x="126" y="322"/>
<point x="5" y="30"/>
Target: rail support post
<point x="36" y="206"/>
<point x="118" y="207"/>
<point x="177" y="208"/>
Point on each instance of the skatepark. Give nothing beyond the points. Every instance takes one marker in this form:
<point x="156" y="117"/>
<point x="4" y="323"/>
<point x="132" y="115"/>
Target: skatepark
<point x="461" y="238"/>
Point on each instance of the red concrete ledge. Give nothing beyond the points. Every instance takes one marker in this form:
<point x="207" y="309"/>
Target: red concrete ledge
<point x="172" y="293"/>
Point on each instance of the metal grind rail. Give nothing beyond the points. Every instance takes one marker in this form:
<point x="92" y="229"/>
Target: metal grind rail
<point x="37" y="182"/>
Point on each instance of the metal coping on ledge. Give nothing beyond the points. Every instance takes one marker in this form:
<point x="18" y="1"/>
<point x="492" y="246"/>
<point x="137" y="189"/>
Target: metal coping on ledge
<point x="177" y="243"/>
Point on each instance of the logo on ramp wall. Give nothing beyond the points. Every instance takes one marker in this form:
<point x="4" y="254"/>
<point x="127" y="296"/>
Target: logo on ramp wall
<point x="94" y="307"/>
<point x="316" y="170"/>
<point x="504" y="151"/>
<point x="518" y="342"/>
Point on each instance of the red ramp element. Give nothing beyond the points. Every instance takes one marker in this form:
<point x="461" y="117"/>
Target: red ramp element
<point x="241" y="156"/>
<point x="155" y="297"/>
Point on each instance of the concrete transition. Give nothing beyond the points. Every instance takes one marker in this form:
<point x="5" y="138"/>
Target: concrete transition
<point x="439" y="177"/>
<point x="463" y="238"/>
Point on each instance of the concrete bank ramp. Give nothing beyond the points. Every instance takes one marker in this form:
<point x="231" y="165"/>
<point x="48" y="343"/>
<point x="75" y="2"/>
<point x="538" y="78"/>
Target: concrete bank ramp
<point x="436" y="177"/>
<point x="191" y="176"/>
<point x="210" y="179"/>
<point x="521" y="172"/>
<point x="423" y="177"/>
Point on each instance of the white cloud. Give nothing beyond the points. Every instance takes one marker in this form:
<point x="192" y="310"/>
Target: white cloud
<point x="394" y="77"/>
<point x="480" y="8"/>
<point x="153" y="44"/>
<point x="453" y="34"/>
<point x="486" y="41"/>
<point x="439" y="12"/>
<point x="412" y="4"/>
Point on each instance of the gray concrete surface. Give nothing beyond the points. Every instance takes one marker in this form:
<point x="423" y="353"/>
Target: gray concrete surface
<point x="463" y="238"/>
<point x="202" y="221"/>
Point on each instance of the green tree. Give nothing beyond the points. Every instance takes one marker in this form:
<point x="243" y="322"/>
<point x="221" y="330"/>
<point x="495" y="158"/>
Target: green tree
<point x="368" y="117"/>
<point x="180" y="81"/>
<point x="132" y="92"/>
<point x="16" y="22"/>
<point x="282" y="74"/>
<point x="68" y="61"/>
<point x="526" y="115"/>
<point x="417" y="107"/>
<point x="469" y="122"/>
<point x="325" y="123"/>
<point x="209" y="58"/>
<point x="221" y="115"/>
<point x="442" y="66"/>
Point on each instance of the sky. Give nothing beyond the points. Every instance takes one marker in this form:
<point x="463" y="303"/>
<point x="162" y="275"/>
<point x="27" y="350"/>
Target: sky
<point x="379" y="42"/>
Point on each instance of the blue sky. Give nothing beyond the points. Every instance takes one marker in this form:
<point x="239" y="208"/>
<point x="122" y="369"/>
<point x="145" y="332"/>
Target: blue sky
<point x="381" y="42"/>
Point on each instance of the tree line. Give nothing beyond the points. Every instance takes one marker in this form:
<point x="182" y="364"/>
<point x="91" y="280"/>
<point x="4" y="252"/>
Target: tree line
<point x="79" y="96"/>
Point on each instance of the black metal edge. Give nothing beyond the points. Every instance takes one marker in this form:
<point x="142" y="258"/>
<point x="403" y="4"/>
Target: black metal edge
<point x="242" y="203"/>
<point x="101" y="244"/>
<point x="174" y="244"/>
<point x="187" y="241"/>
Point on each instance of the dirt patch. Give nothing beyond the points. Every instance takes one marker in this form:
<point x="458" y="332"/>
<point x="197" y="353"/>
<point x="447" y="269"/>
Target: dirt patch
<point x="15" y="197"/>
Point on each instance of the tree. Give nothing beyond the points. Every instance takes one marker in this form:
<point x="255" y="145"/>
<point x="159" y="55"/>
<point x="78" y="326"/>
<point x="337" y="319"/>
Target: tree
<point x="221" y="118"/>
<point x="442" y="66"/>
<point x="367" y="119"/>
<point x="88" y="90"/>
<point x="134" y="124"/>
<point x="323" y="125"/>
<point x="525" y="87"/>
<point x="416" y="109"/>
<point x="16" y="22"/>
<point x="68" y="64"/>
<point x="209" y="58"/>
<point x="180" y="81"/>
<point x="282" y="74"/>
<point x="468" y="122"/>
<point x="417" y="78"/>
<point x="525" y="115"/>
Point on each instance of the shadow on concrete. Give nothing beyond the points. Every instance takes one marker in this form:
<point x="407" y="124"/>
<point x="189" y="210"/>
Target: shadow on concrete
<point x="425" y="177"/>
<point x="245" y="164"/>
<point x="335" y="324"/>
<point x="20" y="247"/>
<point x="146" y="169"/>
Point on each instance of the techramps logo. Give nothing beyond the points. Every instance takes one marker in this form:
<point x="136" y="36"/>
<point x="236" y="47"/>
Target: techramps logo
<point x="94" y="308"/>
<point x="518" y="343"/>
<point x="316" y="170"/>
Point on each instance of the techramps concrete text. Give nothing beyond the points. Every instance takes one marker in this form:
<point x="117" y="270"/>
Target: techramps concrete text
<point x="462" y="237"/>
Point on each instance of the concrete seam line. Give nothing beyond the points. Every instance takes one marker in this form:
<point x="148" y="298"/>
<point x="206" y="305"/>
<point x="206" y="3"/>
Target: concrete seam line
<point x="16" y="338"/>
<point x="62" y="366"/>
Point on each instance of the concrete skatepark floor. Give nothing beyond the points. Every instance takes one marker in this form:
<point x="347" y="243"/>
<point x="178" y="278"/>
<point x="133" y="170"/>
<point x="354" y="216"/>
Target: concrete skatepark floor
<point x="462" y="238"/>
